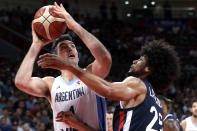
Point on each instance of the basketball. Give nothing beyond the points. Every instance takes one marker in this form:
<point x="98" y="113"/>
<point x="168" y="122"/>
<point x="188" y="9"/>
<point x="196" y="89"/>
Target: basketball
<point x="47" y="24"/>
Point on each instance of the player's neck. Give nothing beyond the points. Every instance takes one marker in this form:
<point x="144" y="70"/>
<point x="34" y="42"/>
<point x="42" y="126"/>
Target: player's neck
<point x="67" y="75"/>
<point x="194" y="119"/>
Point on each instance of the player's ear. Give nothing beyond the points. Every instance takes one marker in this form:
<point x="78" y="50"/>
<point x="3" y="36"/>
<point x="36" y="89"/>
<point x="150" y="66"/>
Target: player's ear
<point x="147" y="69"/>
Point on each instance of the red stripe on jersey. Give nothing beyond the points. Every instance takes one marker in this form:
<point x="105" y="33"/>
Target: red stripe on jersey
<point x="121" y="122"/>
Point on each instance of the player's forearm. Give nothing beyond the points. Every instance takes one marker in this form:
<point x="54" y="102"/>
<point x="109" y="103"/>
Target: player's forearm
<point x="115" y="91"/>
<point x="97" y="49"/>
<point x="94" y="82"/>
<point x="26" y="68"/>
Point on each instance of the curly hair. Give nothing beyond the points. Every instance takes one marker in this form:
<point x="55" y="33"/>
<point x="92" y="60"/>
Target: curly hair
<point x="163" y="62"/>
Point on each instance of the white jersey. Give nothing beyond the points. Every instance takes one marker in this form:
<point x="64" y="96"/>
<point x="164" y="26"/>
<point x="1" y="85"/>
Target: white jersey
<point x="75" y="96"/>
<point x="190" y="125"/>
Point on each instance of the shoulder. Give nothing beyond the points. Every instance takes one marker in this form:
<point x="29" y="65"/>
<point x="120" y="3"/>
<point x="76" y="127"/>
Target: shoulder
<point x="132" y="80"/>
<point x="183" y="123"/>
<point x="135" y="82"/>
<point x="49" y="80"/>
<point x="186" y="119"/>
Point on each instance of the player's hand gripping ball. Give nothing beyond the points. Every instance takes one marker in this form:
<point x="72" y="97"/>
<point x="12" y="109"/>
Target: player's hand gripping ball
<point x="47" y="24"/>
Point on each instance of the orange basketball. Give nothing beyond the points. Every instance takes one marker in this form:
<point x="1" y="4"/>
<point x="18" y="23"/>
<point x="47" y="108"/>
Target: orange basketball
<point x="47" y="24"/>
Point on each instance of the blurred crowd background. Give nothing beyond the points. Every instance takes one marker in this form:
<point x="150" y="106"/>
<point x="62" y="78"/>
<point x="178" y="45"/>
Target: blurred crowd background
<point x="123" y="37"/>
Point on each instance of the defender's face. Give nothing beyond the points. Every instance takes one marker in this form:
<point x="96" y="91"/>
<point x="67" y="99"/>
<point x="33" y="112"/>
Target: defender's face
<point x="194" y="109"/>
<point x="67" y="50"/>
<point x="138" y="67"/>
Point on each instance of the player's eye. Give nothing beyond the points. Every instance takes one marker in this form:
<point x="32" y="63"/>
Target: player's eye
<point x="63" y="47"/>
<point x="73" y="46"/>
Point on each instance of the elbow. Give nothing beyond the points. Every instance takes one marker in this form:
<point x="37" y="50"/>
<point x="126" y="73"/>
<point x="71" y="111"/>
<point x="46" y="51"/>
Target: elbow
<point x="105" y="66"/>
<point x="19" y="83"/>
<point x="107" y="61"/>
<point x="107" y="58"/>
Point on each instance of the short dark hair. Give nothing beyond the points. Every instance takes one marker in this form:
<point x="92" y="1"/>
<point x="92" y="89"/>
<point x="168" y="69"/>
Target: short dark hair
<point x="194" y="100"/>
<point x="60" y="39"/>
<point x="163" y="62"/>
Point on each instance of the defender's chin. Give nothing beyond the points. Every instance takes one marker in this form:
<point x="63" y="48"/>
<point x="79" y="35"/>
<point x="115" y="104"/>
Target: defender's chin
<point x="130" y="73"/>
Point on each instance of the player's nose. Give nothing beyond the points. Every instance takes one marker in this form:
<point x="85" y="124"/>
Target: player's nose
<point x="135" y="61"/>
<point x="69" y="49"/>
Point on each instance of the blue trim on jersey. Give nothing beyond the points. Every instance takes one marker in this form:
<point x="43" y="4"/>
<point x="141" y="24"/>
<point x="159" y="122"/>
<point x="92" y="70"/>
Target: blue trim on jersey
<point x="170" y="116"/>
<point x="101" y="108"/>
<point x="70" y="82"/>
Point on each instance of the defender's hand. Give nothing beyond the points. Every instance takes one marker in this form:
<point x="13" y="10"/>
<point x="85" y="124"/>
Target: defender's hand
<point x="52" y="61"/>
<point x="68" y="118"/>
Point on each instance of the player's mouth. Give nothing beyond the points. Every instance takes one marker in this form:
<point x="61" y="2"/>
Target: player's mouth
<point x="131" y="68"/>
<point x="71" y="56"/>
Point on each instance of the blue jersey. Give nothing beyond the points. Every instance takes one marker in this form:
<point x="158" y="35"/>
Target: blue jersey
<point x="170" y="116"/>
<point x="144" y="117"/>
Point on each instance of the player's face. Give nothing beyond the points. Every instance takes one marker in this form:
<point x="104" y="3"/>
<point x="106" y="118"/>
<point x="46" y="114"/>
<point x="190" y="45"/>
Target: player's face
<point x="109" y="119"/>
<point x="194" y="109"/>
<point x="67" y="50"/>
<point x="138" y="68"/>
<point x="164" y="107"/>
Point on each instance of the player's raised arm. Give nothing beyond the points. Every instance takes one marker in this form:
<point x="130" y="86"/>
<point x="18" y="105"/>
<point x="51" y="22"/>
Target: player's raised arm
<point x="24" y="80"/>
<point x="102" y="64"/>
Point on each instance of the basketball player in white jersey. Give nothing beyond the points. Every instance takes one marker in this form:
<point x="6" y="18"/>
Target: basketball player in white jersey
<point x="139" y="108"/>
<point x="67" y="92"/>
<point x="190" y="123"/>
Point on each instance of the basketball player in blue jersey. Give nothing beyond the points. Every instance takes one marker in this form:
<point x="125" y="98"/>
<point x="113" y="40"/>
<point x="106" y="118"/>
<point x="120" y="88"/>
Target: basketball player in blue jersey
<point x="170" y="122"/>
<point x="190" y="123"/>
<point x="139" y="108"/>
<point x="67" y="92"/>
